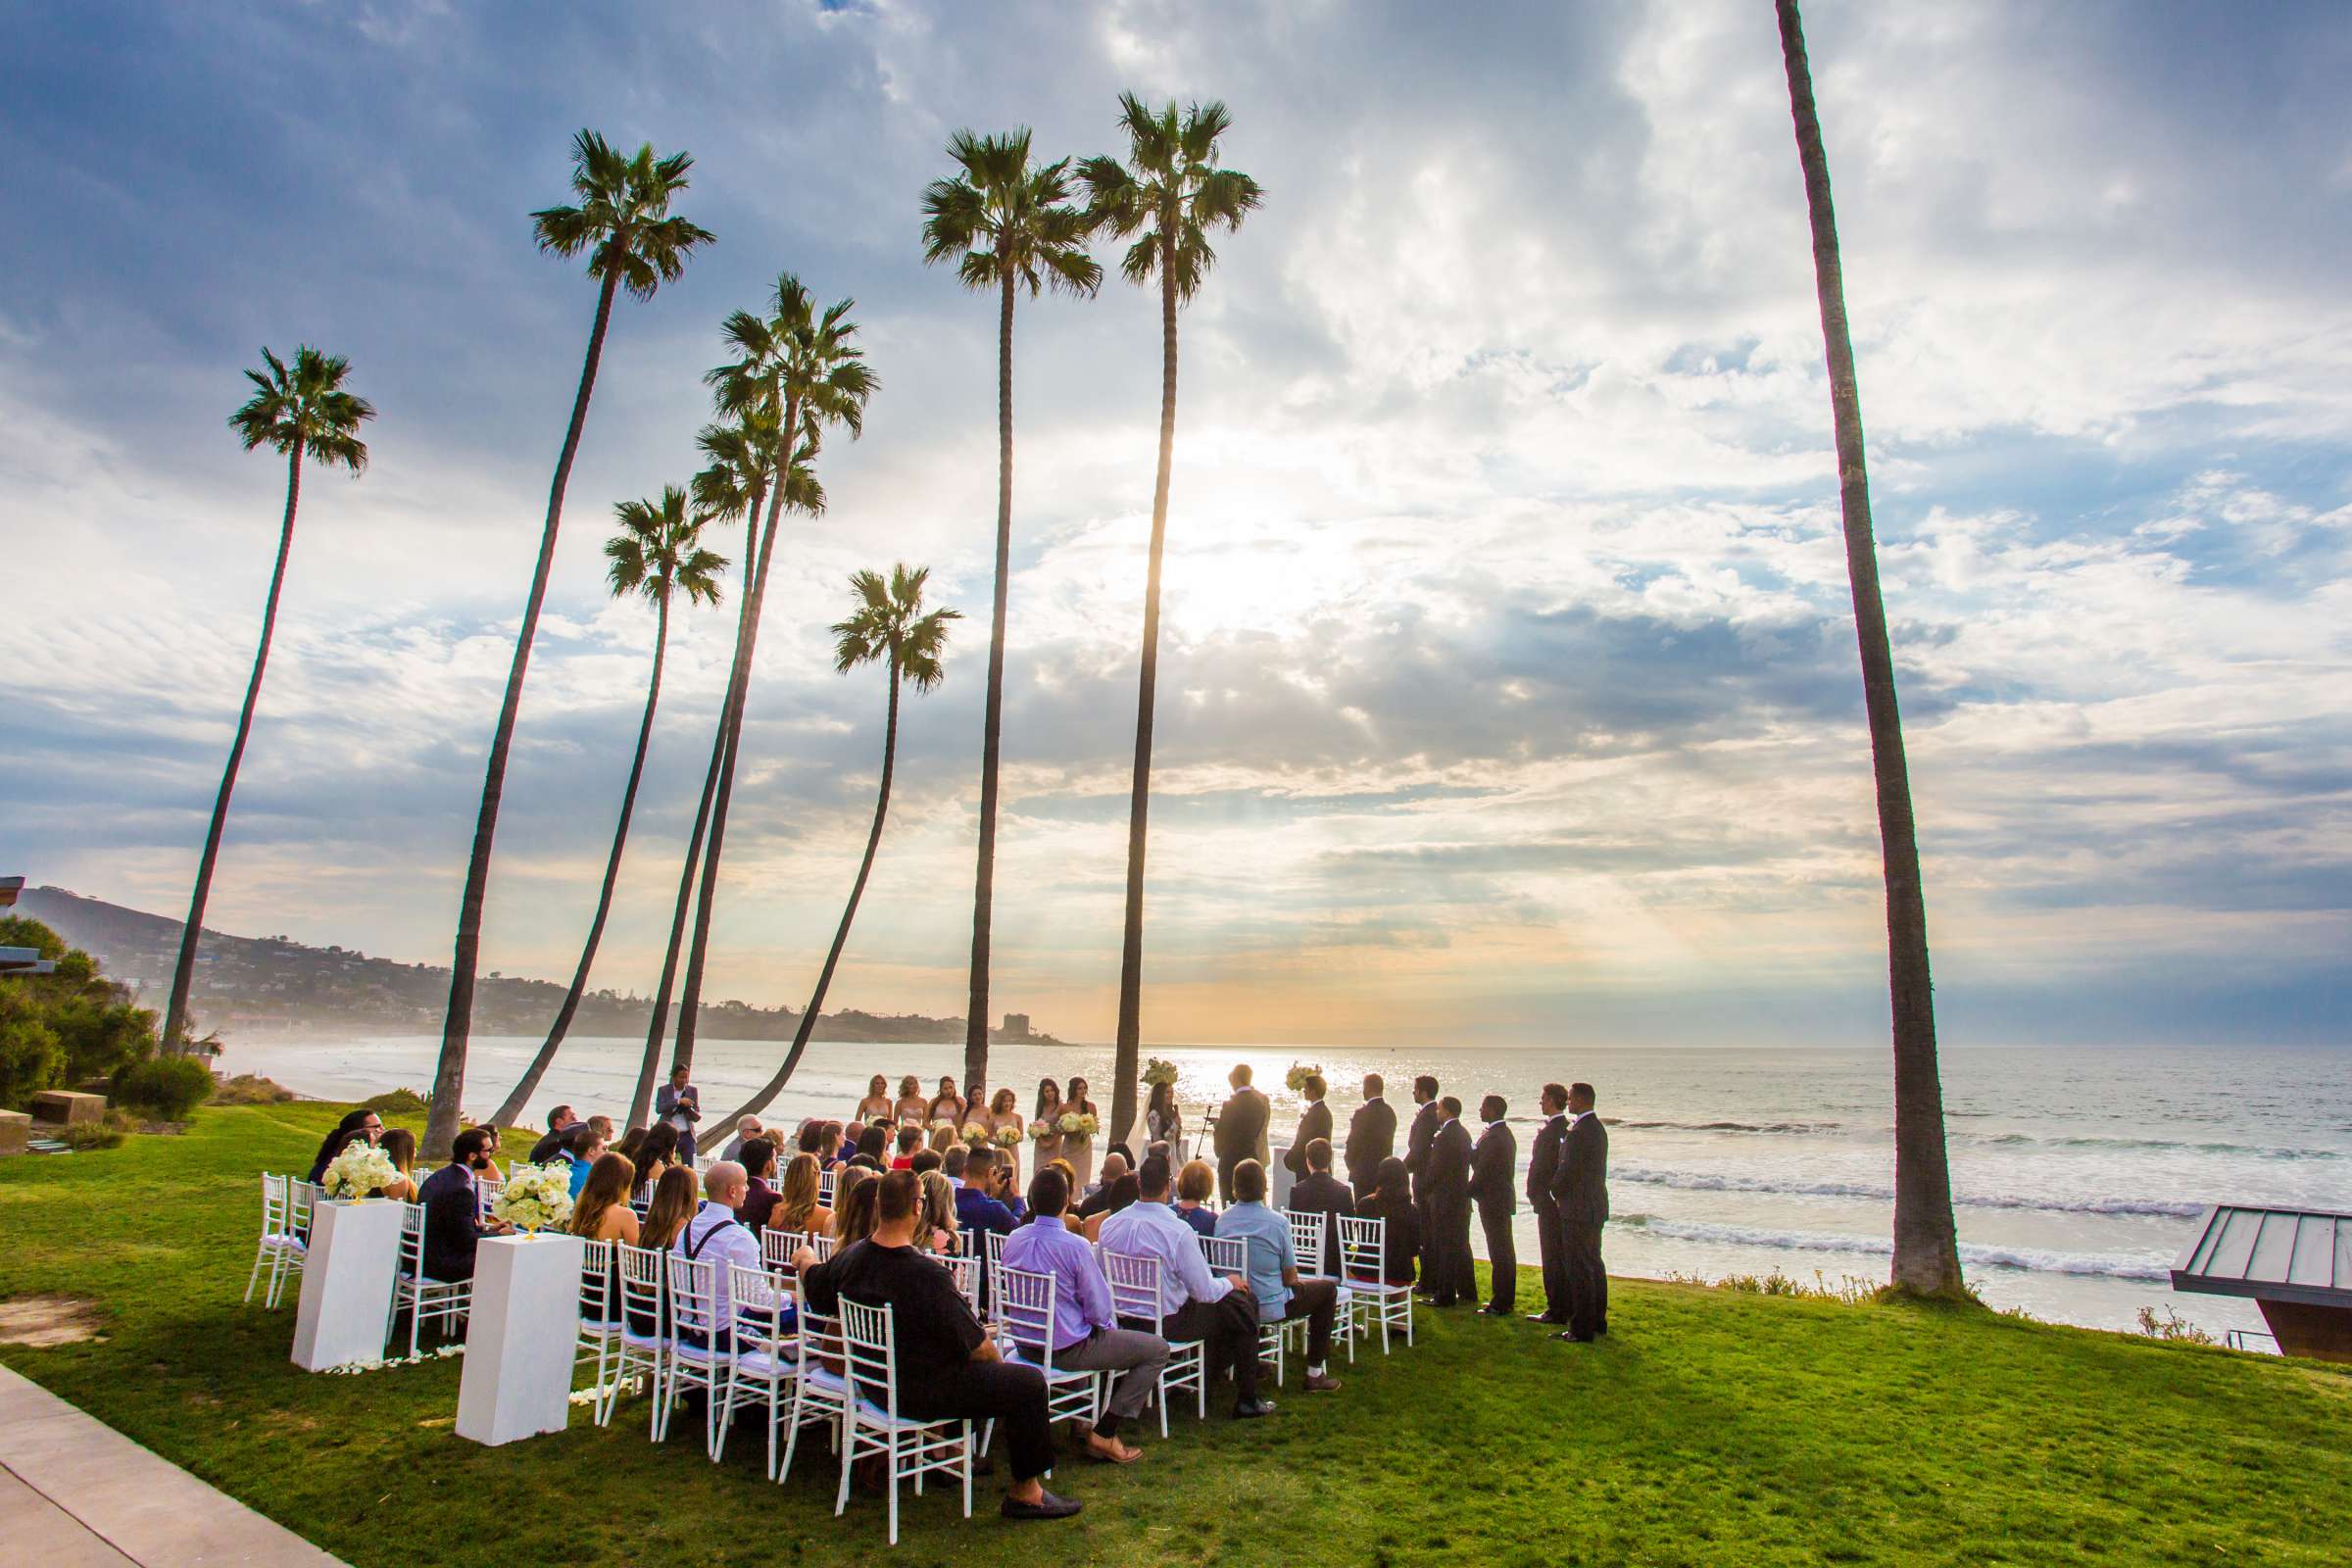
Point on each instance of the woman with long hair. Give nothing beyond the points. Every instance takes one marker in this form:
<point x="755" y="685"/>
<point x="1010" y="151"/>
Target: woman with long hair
<point x="877" y="1100"/>
<point x="1043" y="1152"/>
<point x="400" y="1145"/>
<point x="675" y="1197"/>
<point x="1162" y="1121"/>
<point x="361" y="1123"/>
<point x="935" y="1216"/>
<point x="602" y="1212"/>
<point x="947" y="1105"/>
<point x="911" y="1104"/>
<point x="1079" y="1148"/>
<point x="630" y="1141"/>
<point x="1391" y="1200"/>
<point x="797" y="1208"/>
<point x="854" y="1207"/>
<point x="657" y="1152"/>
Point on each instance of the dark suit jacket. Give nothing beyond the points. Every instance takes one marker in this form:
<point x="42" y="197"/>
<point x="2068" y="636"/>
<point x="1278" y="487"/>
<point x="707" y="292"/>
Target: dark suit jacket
<point x="1490" y="1165"/>
<point x="1416" y="1148"/>
<point x="1323" y="1193"/>
<point x="1242" y="1127"/>
<point x="1582" y="1187"/>
<point x="1371" y="1139"/>
<point x="1446" y="1180"/>
<point x="1313" y="1124"/>
<point x="453" y="1223"/>
<point x="1545" y="1163"/>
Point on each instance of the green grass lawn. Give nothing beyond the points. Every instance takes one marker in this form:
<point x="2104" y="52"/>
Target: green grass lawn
<point x="1709" y="1428"/>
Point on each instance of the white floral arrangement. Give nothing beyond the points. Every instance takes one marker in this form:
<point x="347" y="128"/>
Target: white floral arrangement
<point x="1007" y="1137"/>
<point x="1077" y="1124"/>
<point x="975" y="1131"/>
<point x="535" y="1197"/>
<point x="1041" y="1130"/>
<point x="1296" y="1078"/>
<point x="1157" y="1071"/>
<point x="360" y="1171"/>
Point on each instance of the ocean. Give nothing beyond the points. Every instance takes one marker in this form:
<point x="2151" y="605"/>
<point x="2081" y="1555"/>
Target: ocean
<point x="2079" y="1172"/>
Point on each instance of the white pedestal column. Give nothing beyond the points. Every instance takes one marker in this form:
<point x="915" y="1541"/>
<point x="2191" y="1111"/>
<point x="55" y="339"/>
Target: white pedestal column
<point x="519" y="1341"/>
<point x="1278" y="1176"/>
<point x="346" y="1307"/>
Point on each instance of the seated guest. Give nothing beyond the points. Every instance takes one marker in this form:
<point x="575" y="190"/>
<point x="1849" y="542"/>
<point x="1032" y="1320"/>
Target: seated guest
<point x="1164" y="1148"/>
<point x="1086" y="1337"/>
<point x="1001" y="1177"/>
<point x="674" y="1198"/>
<point x="718" y="1236"/>
<point x="491" y="1170"/>
<point x="873" y="1143"/>
<point x="927" y="1160"/>
<point x="797" y="1208"/>
<point x="657" y="1152"/>
<point x="758" y="1165"/>
<point x="1114" y="1196"/>
<point x="453" y="1211"/>
<point x="1196" y="1304"/>
<point x="602" y="1212"/>
<point x="954" y="1162"/>
<point x="1319" y="1192"/>
<point x="1114" y="1167"/>
<point x="628" y="1146"/>
<point x="975" y="1210"/>
<point x="910" y="1138"/>
<point x="747" y="1128"/>
<point x="948" y="1368"/>
<point x="1200" y="1179"/>
<point x="1391" y="1198"/>
<point x="400" y="1146"/>
<point x="357" y="1126"/>
<point x="1282" y="1291"/>
<point x="604" y="1128"/>
<point x="854" y="1207"/>
<point x="937" y="1230"/>
<point x="584" y="1147"/>
<point x="545" y="1147"/>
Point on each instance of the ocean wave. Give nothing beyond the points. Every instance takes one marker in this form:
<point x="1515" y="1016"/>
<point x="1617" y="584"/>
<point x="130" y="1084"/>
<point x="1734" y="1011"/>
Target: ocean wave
<point x="1718" y="1182"/>
<point x="2174" y="1145"/>
<point x="2031" y="1259"/>
<point x="1727" y="1126"/>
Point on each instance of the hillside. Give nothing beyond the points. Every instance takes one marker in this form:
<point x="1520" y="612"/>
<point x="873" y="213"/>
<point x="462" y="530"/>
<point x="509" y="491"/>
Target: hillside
<point x="274" y="985"/>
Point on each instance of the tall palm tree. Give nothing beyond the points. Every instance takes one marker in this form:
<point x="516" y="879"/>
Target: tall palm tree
<point x="298" y="410"/>
<point x="1168" y="196"/>
<point x="806" y="366"/>
<point x="656" y="553"/>
<point x="888" y="626"/>
<point x="633" y="241"/>
<point x="1927" y="1253"/>
<point x="743" y="459"/>
<point x="1006" y="226"/>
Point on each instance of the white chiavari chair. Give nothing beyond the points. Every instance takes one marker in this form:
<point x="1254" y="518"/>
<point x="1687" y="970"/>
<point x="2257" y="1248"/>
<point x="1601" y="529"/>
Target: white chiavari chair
<point x="1363" y="1260"/>
<point x="762" y="1370"/>
<point x="691" y="1345"/>
<point x="282" y="1248"/>
<point x="425" y="1298"/>
<point x="1135" y="1299"/>
<point x="1230" y="1254"/>
<point x="910" y="1448"/>
<point x="645" y="1321"/>
<point x="1025" y="1309"/>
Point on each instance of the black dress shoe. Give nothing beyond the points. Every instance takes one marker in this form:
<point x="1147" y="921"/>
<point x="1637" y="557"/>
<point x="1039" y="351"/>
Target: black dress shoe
<point x="1492" y="1310"/>
<point x="1573" y="1338"/>
<point x="1047" y="1506"/>
<point x="1252" y="1409"/>
<point x="1547" y="1317"/>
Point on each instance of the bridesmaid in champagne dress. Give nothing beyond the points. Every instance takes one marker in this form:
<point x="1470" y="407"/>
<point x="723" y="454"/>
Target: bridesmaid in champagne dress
<point x="912" y="1106"/>
<point x="877" y="1100"/>
<point x="1004" y="1111"/>
<point x="1079" y="1148"/>
<point x="1043" y="1151"/>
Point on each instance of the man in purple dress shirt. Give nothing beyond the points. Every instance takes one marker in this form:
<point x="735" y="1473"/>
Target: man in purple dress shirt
<point x="1086" y="1337"/>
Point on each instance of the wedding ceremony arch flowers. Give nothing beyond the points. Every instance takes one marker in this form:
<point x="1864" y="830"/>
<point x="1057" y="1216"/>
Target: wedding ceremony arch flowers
<point x="1296" y="1079"/>
<point x="535" y="1197"/>
<point x="1159" y="1070"/>
<point x="361" y="1171"/>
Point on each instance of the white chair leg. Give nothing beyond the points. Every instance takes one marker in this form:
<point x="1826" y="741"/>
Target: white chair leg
<point x="967" y="1469"/>
<point x="894" y="1486"/>
<point x="840" y="1499"/>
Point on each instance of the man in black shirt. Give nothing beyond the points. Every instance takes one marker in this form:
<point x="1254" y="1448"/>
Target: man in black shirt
<point x="948" y="1369"/>
<point x="558" y="1120"/>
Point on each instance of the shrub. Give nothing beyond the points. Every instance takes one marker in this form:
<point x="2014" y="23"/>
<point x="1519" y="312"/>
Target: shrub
<point x="66" y="1027"/>
<point x="2172" y="1327"/>
<point x="82" y="1136"/>
<point x="30" y="1058"/>
<point x="167" y="1087"/>
<point x="397" y="1103"/>
<point x="246" y="1089"/>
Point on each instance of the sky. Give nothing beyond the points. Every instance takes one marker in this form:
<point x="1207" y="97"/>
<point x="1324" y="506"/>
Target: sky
<point x="1509" y="691"/>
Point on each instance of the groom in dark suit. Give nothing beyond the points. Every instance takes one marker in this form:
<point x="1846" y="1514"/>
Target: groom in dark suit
<point x="1542" y="1167"/>
<point x="1241" y="1128"/>
<point x="1491" y="1168"/>
<point x="1583" y="1190"/>
<point x="1313" y="1122"/>
<point x="1371" y="1136"/>
<point x="1450" y="1275"/>
<point x="1425" y="1122"/>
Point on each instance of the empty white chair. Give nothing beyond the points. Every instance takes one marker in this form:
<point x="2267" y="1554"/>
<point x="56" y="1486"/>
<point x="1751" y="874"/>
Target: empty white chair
<point x="910" y="1449"/>
<point x="644" y="1320"/>
<point x="1308" y="1234"/>
<point x="1230" y="1254"/>
<point x="599" y="1342"/>
<point x="282" y="1248"/>
<point x="1371" y="1298"/>
<point x="690" y="1345"/>
<point x="444" y="1301"/>
<point x="1135" y="1299"/>
<point x="761" y="1371"/>
<point x="1025" y="1308"/>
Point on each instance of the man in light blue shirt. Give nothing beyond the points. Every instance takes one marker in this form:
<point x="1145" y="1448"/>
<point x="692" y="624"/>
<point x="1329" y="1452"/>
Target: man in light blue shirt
<point x="1194" y="1303"/>
<point x="1086" y="1334"/>
<point x="1274" y="1277"/>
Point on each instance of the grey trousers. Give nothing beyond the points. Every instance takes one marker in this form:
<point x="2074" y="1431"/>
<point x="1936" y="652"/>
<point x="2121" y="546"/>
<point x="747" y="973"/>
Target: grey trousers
<point x="1138" y="1356"/>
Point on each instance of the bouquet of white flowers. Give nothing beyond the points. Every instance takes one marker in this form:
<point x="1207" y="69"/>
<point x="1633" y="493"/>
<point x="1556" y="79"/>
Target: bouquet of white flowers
<point x="1041" y="1130"/>
<point x="360" y="1171"/>
<point x="975" y="1131"/>
<point x="1077" y="1124"/>
<point x="535" y="1197"/>
<point x="1007" y="1137"/>
<point x="1296" y="1078"/>
<point x="1157" y="1071"/>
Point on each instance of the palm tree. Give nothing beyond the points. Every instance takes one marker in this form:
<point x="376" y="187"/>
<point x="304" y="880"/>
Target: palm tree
<point x="1004" y="225"/>
<point x="295" y="410"/>
<point x="743" y="461"/>
<point x="888" y="624"/>
<point x="656" y="552"/>
<point x="1168" y="195"/>
<point x="804" y="367"/>
<point x="1927" y="1253"/>
<point x="633" y="241"/>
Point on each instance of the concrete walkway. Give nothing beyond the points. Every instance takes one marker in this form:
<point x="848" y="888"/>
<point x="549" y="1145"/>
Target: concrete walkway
<point x="77" y="1493"/>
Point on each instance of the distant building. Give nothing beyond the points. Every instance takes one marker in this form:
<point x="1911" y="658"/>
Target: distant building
<point x="1016" y="1026"/>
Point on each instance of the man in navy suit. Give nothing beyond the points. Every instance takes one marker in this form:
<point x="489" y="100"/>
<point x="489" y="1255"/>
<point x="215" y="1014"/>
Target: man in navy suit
<point x="1490" y="1169"/>
<point x="1583" y="1190"/>
<point x="452" y="1209"/>
<point x="1542" y="1167"/>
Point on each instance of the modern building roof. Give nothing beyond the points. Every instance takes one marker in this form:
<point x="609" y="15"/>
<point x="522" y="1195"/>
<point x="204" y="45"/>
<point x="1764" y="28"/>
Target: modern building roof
<point x="2281" y="1254"/>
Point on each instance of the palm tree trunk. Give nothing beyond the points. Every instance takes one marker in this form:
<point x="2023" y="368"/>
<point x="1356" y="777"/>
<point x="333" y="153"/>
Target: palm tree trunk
<point x="521" y="1094"/>
<point x="1124" y="1063"/>
<point x="641" y="1104"/>
<point x="738" y="684"/>
<point x="992" y="727"/>
<point x="448" y="1074"/>
<point x="841" y="937"/>
<point x="1927" y="1258"/>
<point x="184" y="972"/>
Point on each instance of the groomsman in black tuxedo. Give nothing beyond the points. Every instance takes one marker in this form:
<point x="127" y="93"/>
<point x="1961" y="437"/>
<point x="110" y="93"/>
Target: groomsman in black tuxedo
<point x="1371" y="1136"/>
<point x="1314" y="1122"/>
<point x="1241" y="1127"/>
<point x="1543" y="1166"/>
<point x="1417" y="1137"/>
<point x="1450" y="1275"/>
<point x="1491" y="1168"/>
<point x="1582" y="1188"/>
